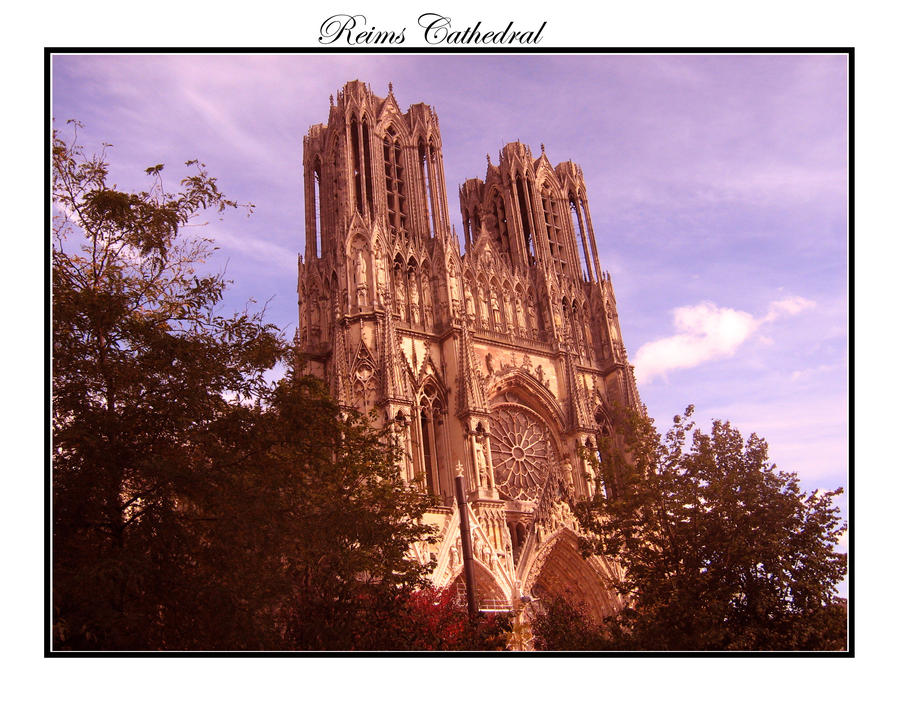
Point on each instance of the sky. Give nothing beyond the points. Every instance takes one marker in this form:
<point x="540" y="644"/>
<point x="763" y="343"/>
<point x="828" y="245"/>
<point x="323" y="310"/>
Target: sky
<point x="717" y="186"/>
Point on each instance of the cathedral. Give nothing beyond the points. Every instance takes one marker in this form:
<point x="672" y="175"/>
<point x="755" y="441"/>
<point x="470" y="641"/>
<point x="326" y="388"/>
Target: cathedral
<point x="499" y="363"/>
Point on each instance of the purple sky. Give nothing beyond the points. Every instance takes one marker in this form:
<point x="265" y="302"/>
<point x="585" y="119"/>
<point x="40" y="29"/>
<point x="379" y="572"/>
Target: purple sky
<point x="717" y="186"/>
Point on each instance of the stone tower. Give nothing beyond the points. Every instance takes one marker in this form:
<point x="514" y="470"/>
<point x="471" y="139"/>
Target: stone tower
<point x="501" y="362"/>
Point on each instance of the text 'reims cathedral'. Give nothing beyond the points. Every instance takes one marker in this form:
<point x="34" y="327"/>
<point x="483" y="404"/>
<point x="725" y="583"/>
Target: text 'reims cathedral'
<point x="502" y="362"/>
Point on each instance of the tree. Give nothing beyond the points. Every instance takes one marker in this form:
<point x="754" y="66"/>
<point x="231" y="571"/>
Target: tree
<point x="719" y="549"/>
<point x="349" y="520"/>
<point x="561" y="625"/>
<point x="143" y="370"/>
<point x="195" y="505"/>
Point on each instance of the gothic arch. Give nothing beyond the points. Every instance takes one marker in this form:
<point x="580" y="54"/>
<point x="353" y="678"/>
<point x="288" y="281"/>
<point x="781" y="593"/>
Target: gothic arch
<point x="488" y="590"/>
<point x="534" y="393"/>
<point x="544" y="172"/>
<point x="390" y="121"/>
<point x="601" y="417"/>
<point x="432" y="435"/>
<point x="395" y="181"/>
<point x="526" y="434"/>
<point x="559" y="570"/>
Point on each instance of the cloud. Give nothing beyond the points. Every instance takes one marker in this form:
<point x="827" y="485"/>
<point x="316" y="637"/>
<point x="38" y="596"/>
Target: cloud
<point x="809" y="372"/>
<point x="790" y="306"/>
<point x="261" y="251"/>
<point x="707" y="332"/>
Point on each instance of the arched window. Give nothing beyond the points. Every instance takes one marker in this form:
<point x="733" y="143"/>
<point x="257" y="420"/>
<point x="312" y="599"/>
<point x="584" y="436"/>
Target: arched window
<point x="526" y="221"/>
<point x="554" y="229"/>
<point x="356" y="164"/>
<point x="432" y="434"/>
<point x="394" y="183"/>
<point x="367" y="156"/>
<point x="575" y="213"/>
<point x="317" y="207"/>
<point x="427" y="167"/>
<point x="365" y="388"/>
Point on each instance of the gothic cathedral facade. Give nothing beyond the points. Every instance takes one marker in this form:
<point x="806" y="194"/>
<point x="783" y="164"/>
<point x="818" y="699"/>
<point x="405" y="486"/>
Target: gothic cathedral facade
<point x="500" y="362"/>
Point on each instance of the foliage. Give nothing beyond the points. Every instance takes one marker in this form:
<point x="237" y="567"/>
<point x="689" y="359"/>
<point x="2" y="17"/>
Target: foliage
<point x="429" y="619"/>
<point x="719" y="549"/>
<point x="563" y="626"/>
<point x="195" y="506"/>
<point x="143" y="366"/>
<point x="349" y="520"/>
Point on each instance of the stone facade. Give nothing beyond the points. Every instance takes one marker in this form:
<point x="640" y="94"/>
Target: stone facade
<point x="500" y="363"/>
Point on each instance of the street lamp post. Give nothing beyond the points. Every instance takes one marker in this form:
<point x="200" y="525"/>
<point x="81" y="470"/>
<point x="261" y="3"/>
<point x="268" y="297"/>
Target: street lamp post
<point x="468" y="559"/>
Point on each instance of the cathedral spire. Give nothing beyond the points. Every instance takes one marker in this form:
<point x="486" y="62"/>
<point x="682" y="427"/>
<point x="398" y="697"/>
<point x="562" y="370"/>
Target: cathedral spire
<point x="471" y="396"/>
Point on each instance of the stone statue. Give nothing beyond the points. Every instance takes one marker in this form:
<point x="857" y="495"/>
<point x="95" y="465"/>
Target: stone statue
<point x="380" y="275"/>
<point x="484" y="475"/>
<point x="360" y="267"/>
<point x="454" y="284"/>
<point x="495" y="308"/>
<point x="470" y="306"/>
<point x="413" y="301"/>
<point x="507" y="310"/>
<point x="427" y="309"/>
<point x="485" y="308"/>
<point x="400" y="295"/>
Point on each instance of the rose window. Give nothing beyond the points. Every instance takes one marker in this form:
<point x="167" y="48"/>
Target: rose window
<point x="520" y="451"/>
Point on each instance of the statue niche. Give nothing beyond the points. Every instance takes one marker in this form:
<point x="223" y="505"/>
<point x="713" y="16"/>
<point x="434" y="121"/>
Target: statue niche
<point x="360" y="277"/>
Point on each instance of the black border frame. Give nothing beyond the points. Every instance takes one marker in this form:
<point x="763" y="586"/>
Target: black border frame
<point x="49" y="52"/>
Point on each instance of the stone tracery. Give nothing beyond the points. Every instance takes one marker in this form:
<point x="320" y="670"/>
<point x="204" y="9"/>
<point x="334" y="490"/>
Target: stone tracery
<point x="521" y="449"/>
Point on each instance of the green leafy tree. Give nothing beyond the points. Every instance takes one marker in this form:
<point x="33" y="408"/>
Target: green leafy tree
<point x="195" y="506"/>
<point x="349" y="520"/>
<point x="720" y="550"/>
<point x="563" y="625"/>
<point x="144" y="368"/>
